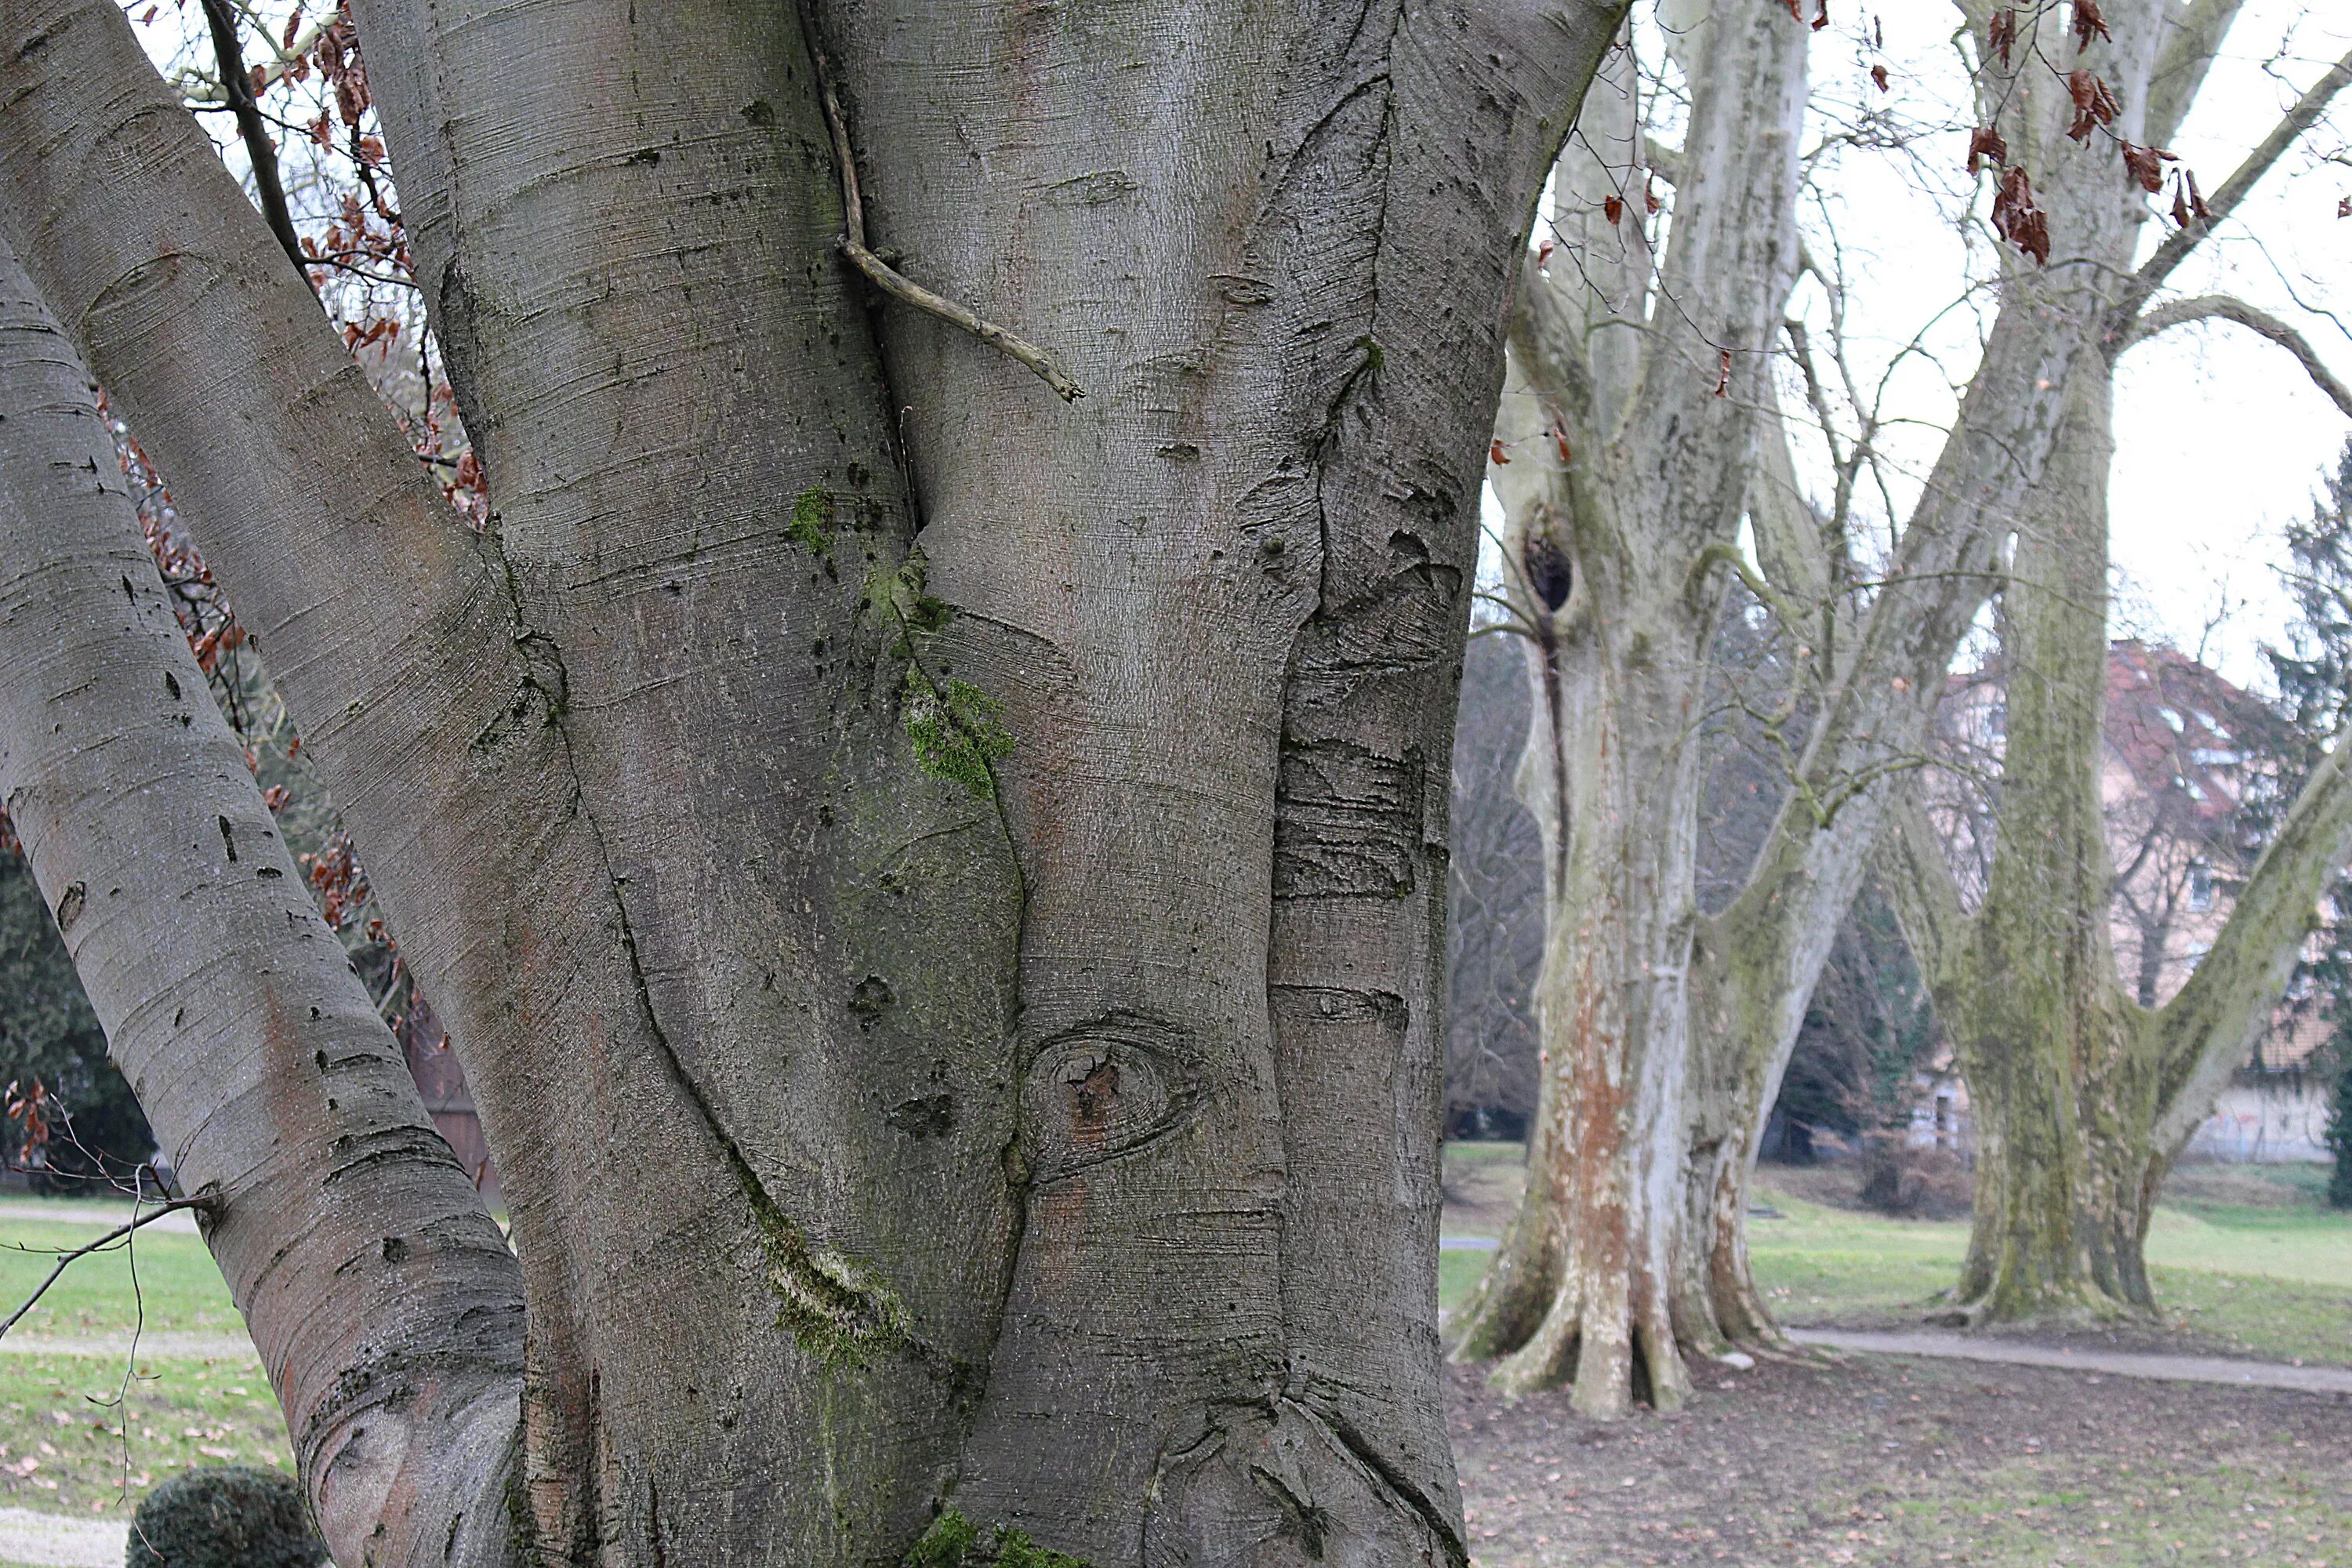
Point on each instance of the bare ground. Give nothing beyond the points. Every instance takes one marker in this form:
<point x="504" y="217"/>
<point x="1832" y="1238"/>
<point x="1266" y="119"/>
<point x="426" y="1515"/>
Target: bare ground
<point x="1886" y="1460"/>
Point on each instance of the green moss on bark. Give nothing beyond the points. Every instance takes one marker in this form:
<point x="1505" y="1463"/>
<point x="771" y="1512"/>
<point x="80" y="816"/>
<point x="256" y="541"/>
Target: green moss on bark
<point x="957" y="731"/>
<point x="837" y="1310"/>
<point x="811" y="523"/>
<point x="954" y="1541"/>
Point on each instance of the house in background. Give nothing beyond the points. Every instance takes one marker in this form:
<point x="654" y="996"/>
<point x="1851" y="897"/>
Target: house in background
<point x="2189" y="760"/>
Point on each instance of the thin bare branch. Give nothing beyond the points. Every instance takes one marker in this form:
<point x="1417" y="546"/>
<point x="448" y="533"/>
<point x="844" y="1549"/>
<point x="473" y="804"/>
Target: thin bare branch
<point x="2231" y="190"/>
<point x="895" y="284"/>
<point x="66" y="1260"/>
<point x="2229" y="308"/>
<point x="259" y="150"/>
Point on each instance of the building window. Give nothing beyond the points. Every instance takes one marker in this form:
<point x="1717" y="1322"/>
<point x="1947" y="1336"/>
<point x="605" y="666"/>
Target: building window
<point x="2201" y="885"/>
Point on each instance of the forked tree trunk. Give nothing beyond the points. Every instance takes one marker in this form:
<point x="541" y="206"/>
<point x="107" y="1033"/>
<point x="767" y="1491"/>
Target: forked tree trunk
<point x="2084" y="1097"/>
<point x="936" y="890"/>
<point x="384" y="1304"/>
<point x="1759" y="958"/>
<point x="2081" y="1098"/>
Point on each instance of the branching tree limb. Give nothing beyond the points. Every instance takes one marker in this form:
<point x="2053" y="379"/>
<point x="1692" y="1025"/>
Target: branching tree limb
<point x="260" y="151"/>
<point x="2207" y="1030"/>
<point x="2232" y="191"/>
<point x="69" y="1258"/>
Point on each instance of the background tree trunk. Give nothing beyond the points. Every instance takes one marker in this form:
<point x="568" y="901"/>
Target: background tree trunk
<point x="1632" y="479"/>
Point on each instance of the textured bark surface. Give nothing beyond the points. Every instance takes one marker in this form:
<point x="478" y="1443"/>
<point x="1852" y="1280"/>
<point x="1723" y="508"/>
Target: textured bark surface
<point x="1630" y="450"/>
<point x="987" y="855"/>
<point x="382" y="1298"/>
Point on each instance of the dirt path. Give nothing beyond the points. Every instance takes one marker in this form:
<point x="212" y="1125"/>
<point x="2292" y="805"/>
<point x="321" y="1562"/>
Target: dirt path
<point x="161" y="1346"/>
<point x="55" y="1540"/>
<point x="2117" y="1364"/>
<point x="1893" y="1462"/>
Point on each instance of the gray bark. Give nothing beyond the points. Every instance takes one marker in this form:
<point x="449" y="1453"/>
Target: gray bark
<point x="386" y="1308"/>
<point x="1045" y="1133"/>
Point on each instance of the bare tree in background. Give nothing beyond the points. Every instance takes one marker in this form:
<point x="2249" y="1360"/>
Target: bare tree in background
<point x="1493" y="917"/>
<point x="2083" y="1095"/>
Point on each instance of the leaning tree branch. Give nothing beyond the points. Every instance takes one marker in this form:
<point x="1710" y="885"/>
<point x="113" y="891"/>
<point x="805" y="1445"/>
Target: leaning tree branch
<point x="68" y="1259"/>
<point x="259" y="150"/>
<point x="382" y="1300"/>
<point x="2231" y="193"/>
<point x="898" y="286"/>
<point x="2186" y="54"/>
<point x="2229" y="308"/>
<point x="2210" y="1025"/>
<point x="1918" y="879"/>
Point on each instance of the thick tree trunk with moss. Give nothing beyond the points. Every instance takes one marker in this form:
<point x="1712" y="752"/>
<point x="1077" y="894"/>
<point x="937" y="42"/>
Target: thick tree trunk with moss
<point x="2047" y="1038"/>
<point x="2083" y="1097"/>
<point x="985" y="853"/>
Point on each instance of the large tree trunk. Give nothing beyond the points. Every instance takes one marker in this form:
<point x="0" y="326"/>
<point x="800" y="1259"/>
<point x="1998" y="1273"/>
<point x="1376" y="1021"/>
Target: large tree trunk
<point x="1582" y="1291"/>
<point x="984" y="854"/>
<point x="1876" y="666"/>
<point x="1625" y="478"/>
<point x="2044" y="1034"/>
<point x="2083" y="1097"/>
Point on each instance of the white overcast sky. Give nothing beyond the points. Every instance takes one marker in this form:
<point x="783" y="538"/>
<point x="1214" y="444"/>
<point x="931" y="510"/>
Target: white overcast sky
<point x="2220" y="437"/>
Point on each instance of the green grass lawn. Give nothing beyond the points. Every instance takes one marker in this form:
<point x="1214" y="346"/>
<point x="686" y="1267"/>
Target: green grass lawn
<point x="178" y="1284"/>
<point x="2263" y="1281"/>
<point x="2272" y="1278"/>
<point x="66" y="1448"/>
<point x="65" y="1445"/>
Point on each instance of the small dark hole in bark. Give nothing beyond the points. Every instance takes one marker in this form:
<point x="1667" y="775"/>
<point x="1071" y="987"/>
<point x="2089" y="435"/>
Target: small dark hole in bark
<point x="929" y="1116"/>
<point x="395" y="1249"/>
<point x="268" y="873"/>
<point x="69" y="907"/>
<point x="228" y="838"/>
<point x="758" y="113"/>
<point x="873" y="995"/>
<point x="1548" y="570"/>
<point x="171" y="685"/>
